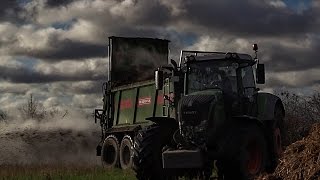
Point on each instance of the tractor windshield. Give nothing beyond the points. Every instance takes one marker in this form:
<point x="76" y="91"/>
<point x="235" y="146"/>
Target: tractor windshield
<point x="218" y="74"/>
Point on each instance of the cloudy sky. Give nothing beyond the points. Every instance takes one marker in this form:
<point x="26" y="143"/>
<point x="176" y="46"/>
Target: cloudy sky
<point x="56" y="49"/>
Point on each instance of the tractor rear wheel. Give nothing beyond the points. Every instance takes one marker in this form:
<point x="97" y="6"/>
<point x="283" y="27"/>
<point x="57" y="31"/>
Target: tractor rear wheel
<point x="245" y="153"/>
<point x="147" y="153"/>
<point x="277" y="137"/>
<point x="126" y="152"/>
<point x="110" y="152"/>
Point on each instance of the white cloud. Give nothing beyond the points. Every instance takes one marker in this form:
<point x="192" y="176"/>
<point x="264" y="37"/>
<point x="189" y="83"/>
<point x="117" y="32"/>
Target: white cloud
<point x="26" y="38"/>
<point x="177" y="7"/>
<point x="121" y="9"/>
<point x="85" y="31"/>
<point x="95" y="9"/>
<point x="52" y="102"/>
<point x="10" y="102"/>
<point x="6" y="87"/>
<point x="86" y="101"/>
<point x="222" y="44"/>
<point x="84" y="95"/>
<point x="6" y="31"/>
<point x="94" y="67"/>
<point x="277" y="3"/>
<point x="30" y="37"/>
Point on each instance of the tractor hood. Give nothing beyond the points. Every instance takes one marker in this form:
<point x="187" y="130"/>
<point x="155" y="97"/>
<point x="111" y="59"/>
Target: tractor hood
<point x="197" y="114"/>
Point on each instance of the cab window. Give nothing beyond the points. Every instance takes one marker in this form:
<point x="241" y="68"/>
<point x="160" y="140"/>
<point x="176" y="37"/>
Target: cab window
<point x="248" y="80"/>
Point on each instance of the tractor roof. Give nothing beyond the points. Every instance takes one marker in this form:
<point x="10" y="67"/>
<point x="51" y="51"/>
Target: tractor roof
<point x="187" y="56"/>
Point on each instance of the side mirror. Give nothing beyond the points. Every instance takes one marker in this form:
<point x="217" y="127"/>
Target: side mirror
<point x="158" y="78"/>
<point x="174" y="63"/>
<point x="261" y="79"/>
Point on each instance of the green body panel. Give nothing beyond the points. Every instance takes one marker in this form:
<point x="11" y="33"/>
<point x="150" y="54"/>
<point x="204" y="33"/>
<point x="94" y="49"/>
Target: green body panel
<point x="168" y="90"/>
<point x="159" y="104"/>
<point x="116" y="106"/>
<point x="266" y="104"/>
<point x="145" y="102"/>
<point x="136" y="102"/>
<point x="127" y="102"/>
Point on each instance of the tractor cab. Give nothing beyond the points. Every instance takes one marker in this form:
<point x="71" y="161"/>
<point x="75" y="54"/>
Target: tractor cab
<point x="233" y="73"/>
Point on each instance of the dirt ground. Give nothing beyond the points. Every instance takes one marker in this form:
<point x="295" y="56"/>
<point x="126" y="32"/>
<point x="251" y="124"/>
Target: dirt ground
<point x="23" y="145"/>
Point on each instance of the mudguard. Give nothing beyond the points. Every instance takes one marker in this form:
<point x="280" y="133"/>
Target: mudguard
<point x="266" y="103"/>
<point x="164" y="121"/>
<point x="120" y="129"/>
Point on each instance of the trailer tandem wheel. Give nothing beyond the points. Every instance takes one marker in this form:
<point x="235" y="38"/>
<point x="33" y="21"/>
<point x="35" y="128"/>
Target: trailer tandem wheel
<point x="110" y="152"/>
<point x="126" y="152"/>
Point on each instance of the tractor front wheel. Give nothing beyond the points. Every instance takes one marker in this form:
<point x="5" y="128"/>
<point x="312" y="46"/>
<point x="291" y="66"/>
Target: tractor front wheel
<point x="147" y="153"/>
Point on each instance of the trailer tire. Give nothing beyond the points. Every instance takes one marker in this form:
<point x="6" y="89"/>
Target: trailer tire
<point x="110" y="152"/>
<point x="147" y="153"/>
<point x="126" y="152"/>
<point x="246" y="153"/>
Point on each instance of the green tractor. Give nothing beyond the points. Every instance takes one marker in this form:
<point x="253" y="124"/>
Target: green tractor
<point x="213" y="119"/>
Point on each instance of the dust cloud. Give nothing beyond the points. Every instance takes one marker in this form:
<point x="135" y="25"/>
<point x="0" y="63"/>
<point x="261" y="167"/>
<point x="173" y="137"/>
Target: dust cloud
<point x="137" y="58"/>
<point x="64" y="140"/>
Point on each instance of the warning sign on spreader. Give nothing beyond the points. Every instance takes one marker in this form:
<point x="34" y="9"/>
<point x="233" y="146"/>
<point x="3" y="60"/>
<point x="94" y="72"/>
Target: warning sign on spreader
<point x="144" y="101"/>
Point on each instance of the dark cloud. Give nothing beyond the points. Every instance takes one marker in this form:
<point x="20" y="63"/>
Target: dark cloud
<point x="58" y="50"/>
<point x="275" y="82"/>
<point x="248" y="18"/>
<point x="70" y="49"/>
<point x="284" y="58"/>
<point x="152" y="13"/>
<point x="25" y="75"/>
<point x="57" y="3"/>
<point x="9" y="10"/>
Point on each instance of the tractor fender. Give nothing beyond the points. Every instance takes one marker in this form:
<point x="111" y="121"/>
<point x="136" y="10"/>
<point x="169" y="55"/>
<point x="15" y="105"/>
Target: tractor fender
<point x="164" y="121"/>
<point x="123" y="129"/>
<point x="267" y="103"/>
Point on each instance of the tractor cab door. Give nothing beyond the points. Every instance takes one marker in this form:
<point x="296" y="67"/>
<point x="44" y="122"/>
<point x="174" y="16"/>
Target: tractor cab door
<point x="248" y="91"/>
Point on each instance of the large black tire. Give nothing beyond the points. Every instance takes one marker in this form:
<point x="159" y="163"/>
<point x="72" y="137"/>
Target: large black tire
<point x="147" y="153"/>
<point x="126" y="152"/>
<point x="110" y="152"/>
<point x="277" y="137"/>
<point x="245" y="153"/>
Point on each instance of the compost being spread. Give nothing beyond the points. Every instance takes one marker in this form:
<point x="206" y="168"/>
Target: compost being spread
<point x="193" y="118"/>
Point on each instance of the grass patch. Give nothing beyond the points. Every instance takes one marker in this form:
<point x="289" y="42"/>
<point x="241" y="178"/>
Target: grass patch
<point x="62" y="172"/>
